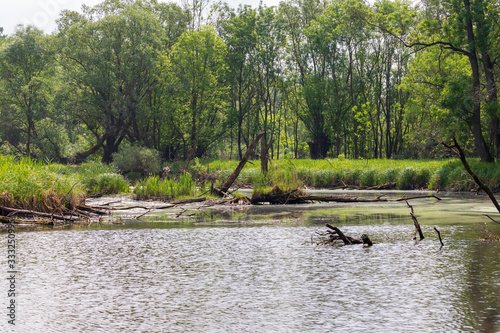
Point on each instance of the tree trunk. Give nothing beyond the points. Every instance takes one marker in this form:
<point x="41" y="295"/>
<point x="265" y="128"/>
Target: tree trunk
<point x="229" y="182"/>
<point x="319" y="147"/>
<point x="480" y="143"/>
<point x="263" y="154"/>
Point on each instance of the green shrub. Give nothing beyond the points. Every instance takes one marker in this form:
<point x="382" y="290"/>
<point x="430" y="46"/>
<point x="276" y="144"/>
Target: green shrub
<point x="137" y="159"/>
<point x="101" y="178"/>
<point x="407" y="178"/>
<point x="29" y="184"/>
<point x="390" y="175"/>
<point x="422" y="178"/>
<point x="439" y="180"/>
<point x="459" y="180"/>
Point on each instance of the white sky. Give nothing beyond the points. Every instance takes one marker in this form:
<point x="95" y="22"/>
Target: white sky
<point x="44" y="13"/>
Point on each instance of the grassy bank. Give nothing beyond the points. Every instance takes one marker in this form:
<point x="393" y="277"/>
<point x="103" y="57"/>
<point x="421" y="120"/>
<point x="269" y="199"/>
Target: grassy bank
<point x="34" y="185"/>
<point x="28" y="184"/>
<point x="405" y="174"/>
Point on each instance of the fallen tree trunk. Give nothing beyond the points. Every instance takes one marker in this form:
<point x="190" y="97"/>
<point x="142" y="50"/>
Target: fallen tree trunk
<point x="277" y="196"/>
<point x="231" y="179"/>
<point x="455" y="147"/>
<point x="14" y="211"/>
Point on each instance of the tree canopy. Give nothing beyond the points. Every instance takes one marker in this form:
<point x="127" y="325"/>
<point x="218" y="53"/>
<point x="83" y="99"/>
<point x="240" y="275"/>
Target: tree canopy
<point x="321" y="78"/>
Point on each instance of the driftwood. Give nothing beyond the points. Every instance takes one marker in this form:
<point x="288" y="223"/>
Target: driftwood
<point x="335" y="234"/>
<point x="78" y="214"/>
<point x="386" y="186"/>
<point x="24" y="212"/>
<point x="188" y="201"/>
<point x="232" y="178"/>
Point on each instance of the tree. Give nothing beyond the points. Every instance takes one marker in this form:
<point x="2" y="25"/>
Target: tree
<point x="195" y="69"/>
<point x="241" y="40"/>
<point x="26" y="64"/>
<point x="458" y="26"/>
<point x="110" y="54"/>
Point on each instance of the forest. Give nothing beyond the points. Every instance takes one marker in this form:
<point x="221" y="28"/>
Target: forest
<point x="321" y="78"/>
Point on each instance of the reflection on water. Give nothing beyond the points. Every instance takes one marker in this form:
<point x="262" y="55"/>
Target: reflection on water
<point x="255" y="279"/>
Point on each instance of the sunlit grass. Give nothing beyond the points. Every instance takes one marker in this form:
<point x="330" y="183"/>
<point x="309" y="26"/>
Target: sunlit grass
<point x="168" y="189"/>
<point x="443" y="174"/>
<point x="28" y="184"/>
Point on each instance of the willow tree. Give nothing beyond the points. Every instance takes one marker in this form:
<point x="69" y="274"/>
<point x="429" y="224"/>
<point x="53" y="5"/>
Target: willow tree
<point x="464" y="27"/>
<point x="26" y="65"/>
<point x="110" y="53"/>
<point x="194" y="69"/>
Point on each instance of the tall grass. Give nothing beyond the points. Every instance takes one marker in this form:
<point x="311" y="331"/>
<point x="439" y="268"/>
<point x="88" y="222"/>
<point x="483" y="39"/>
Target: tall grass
<point x="95" y="177"/>
<point x="444" y="174"/>
<point x="28" y="184"/>
<point x="168" y="189"/>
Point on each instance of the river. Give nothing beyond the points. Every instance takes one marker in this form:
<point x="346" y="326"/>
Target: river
<point x="254" y="269"/>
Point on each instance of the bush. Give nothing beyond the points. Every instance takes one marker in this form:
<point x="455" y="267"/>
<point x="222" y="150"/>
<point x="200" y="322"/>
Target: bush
<point x="407" y="179"/>
<point x="389" y="176"/>
<point x="137" y="159"/>
<point x="28" y="184"/>
<point x="368" y="178"/>
<point x="439" y="179"/>
<point x="101" y="178"/>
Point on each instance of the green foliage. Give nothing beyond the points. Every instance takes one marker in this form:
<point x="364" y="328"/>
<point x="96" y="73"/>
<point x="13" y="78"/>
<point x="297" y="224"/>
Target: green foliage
<point x="107" y="183"/>
<point x="167" y="189"/>
<point x="137" y="159"/>
<point x="28" y="184"/>
<point x="324" y="79"/>
<point x="94" y="177"/>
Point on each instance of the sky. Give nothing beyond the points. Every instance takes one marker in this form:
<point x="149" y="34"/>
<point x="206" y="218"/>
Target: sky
<point x="44" y="13"/>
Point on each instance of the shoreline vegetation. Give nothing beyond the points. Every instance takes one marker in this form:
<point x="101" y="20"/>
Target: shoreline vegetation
<point x="33" y="185"/>
<point x="59" y="190"/>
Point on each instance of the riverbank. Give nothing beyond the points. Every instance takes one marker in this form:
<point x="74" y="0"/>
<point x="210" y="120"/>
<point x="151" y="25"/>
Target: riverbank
<point x="58" y="189"/>
<point x="442" y="175"/>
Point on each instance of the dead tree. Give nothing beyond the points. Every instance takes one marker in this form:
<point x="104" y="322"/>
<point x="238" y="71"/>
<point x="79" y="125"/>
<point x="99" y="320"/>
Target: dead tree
<point x="335" y="234"/>
<point x="455" y="147"/>
<point x="229" y="182"/>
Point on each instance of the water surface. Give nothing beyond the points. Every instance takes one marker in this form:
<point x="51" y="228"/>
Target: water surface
<point x="231" y="275"/>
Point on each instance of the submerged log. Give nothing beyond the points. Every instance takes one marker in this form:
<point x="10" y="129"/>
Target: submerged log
<point x="277" y="196"/>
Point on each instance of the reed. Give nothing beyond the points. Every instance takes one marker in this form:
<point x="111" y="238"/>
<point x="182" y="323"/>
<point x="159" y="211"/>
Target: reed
<point x="29" y="184"/>
<point x="168" y="189"/>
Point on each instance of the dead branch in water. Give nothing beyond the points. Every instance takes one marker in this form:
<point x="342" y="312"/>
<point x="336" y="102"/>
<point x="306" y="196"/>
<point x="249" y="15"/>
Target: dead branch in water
<point x="334" y="234"/>
<point x="439" y="235"/>
<point x="415" y="222"/>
